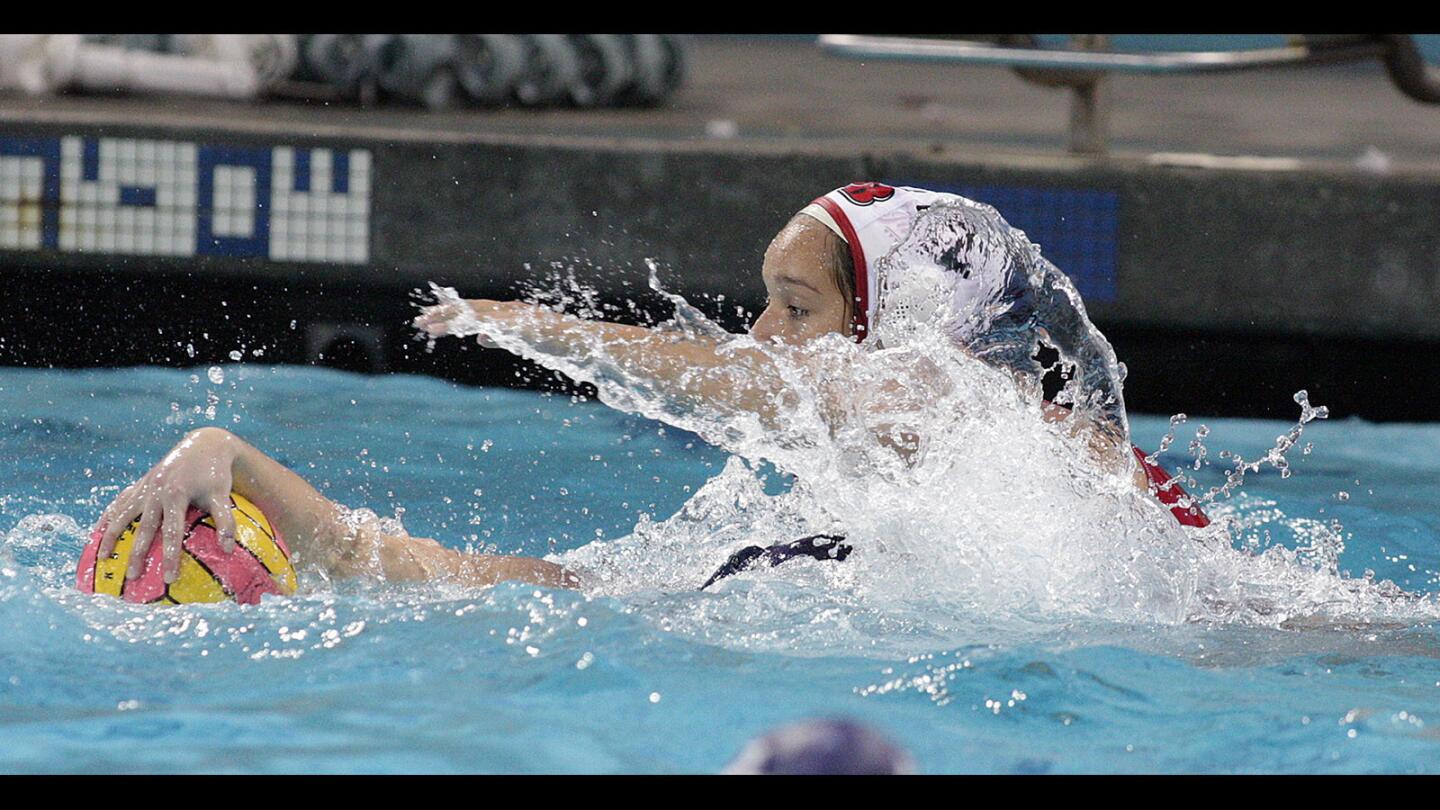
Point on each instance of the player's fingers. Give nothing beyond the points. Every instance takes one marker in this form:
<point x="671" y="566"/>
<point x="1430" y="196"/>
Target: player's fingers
<point x="434" y="320"/>
<point x="108" y="513"/>
<point x="143" y="536"/>
<point x="224" y="517"/>
<point x="172" y="532"/>
<point x="125" y="502"/>
<point x="113" y="523"/>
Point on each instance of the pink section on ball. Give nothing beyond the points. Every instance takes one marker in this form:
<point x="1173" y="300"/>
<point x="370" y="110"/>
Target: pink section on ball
<point x="150" y="585"/>
<point x="240" y="572"/>
<point x="85" y="574"/>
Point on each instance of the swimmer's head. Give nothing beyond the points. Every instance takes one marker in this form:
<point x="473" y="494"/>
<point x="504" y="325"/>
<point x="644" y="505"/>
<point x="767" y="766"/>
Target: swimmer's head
<point x="809" y="280"/>
<point x="892" y="264"/>
<point x="819" y="271"/>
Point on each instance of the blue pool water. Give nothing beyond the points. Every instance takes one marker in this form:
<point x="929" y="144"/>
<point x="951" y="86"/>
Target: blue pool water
<point x="366" y="678"/>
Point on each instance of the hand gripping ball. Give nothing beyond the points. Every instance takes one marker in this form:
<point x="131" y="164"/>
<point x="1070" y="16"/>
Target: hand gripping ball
<point x="259" y="564"/>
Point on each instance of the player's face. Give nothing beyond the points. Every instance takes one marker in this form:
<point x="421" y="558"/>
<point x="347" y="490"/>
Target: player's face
<point x="805" y="300"/>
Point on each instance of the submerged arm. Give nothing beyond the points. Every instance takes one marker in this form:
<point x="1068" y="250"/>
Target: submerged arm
<point x="346" y="550"/>
<point x="1107" y="450"/>
<point x="211" y="462"/>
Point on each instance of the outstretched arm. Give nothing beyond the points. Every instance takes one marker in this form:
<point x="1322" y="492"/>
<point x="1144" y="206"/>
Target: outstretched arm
<point x="211" y="462"/>
<point x="691" y="371"/>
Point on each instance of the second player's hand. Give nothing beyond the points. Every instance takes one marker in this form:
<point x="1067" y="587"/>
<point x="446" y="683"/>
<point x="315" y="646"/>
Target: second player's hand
<point x="438" y="320"/>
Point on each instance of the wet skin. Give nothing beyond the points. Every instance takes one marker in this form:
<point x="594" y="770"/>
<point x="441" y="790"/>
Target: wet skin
<point x="805" y="303"/>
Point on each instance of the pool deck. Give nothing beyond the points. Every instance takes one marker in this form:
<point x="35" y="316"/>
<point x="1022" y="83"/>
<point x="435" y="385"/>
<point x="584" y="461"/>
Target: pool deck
<point x="785" y="95"/>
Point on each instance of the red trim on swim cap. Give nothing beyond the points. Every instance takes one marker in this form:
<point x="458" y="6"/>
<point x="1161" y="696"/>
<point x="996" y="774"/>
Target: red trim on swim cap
<point x="860" y="323"/>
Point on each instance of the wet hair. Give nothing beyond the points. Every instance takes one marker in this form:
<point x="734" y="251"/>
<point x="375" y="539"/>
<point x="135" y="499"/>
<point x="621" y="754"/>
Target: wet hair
<point x="839" y="262"/>
<point x="842" y="264"/>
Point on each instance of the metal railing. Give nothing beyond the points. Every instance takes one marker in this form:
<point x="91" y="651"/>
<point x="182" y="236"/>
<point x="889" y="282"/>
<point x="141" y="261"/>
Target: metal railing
<point x="1085" y="67"/>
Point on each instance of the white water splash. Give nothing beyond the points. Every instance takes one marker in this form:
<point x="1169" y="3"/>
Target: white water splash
<point x="997" y="513"/>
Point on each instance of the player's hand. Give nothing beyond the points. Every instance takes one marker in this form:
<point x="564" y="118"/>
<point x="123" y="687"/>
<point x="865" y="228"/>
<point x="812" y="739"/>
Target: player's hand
<point x="439" y="320"/>
<point x="197" y="471"/>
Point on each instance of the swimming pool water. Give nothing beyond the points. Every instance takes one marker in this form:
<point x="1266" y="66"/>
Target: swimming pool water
<point x="424" y="678"/>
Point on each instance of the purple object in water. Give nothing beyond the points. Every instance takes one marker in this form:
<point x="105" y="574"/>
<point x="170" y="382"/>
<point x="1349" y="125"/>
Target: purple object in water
<point x="822" y="747"/>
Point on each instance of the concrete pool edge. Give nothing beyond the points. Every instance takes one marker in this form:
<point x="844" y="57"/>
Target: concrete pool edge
<point x="1310" y="253"/>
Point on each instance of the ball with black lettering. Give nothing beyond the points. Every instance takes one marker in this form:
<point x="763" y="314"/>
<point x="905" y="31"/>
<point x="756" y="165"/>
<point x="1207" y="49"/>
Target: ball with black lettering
<point x="259" y="564"/>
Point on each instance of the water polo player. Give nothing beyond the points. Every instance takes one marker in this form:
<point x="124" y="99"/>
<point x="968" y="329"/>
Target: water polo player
<point x="837" y="268"/>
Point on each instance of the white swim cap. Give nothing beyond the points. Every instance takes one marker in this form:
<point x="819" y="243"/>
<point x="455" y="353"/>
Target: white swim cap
<point x="962" y="270"/>
<point x="872" y="218"/>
